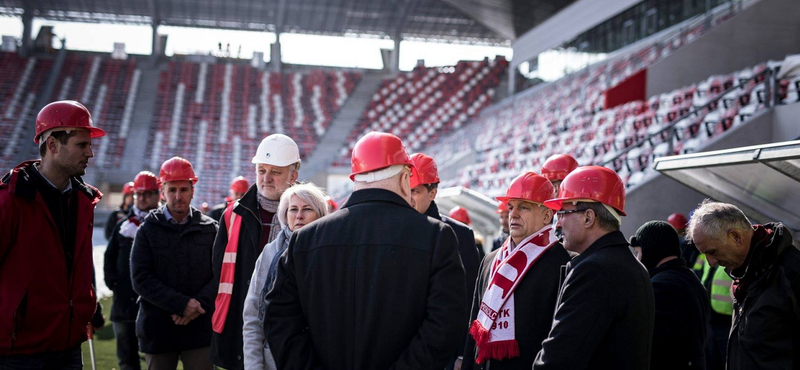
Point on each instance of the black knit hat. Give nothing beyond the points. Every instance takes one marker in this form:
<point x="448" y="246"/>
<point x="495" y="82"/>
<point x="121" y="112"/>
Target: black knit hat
<point x="658" y="240"/>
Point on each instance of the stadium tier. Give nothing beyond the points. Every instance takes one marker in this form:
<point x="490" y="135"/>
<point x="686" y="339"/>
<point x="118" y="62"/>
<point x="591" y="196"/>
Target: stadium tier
<point x="427" y="103"/>
<point x="21" y="82"/>
<point x="216" y="114"/>
<point x="108" y="89"/>
<point x="625" y="138"/>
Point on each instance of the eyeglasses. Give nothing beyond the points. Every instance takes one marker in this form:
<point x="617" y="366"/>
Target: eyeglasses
<point x="563" y="213"/>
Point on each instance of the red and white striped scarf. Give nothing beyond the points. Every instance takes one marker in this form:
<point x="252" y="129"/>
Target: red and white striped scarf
<point x="224" y="293"/>
<point x="493" y="329"/>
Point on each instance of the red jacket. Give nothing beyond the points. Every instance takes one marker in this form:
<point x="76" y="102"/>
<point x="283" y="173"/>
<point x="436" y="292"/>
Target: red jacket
<point x="41" y="307"/>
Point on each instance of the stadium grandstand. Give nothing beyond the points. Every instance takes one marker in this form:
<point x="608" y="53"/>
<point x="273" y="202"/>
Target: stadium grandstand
<point x="642" y="87"/>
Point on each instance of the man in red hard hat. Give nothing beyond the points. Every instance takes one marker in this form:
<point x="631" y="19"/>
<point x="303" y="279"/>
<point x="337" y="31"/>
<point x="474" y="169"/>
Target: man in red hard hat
<point x="117" y="271"/>
<point x="424" y="187"/>
<point x="502" y="211"/>
<point x="171" y="272"/>
<point x="120" y="212"/>
<point x="47" y="297"/>
<point x="515" y="296"/>
<point x="605" y="302"/>
<point x="460" y="214"/>
<point x="246" y="226"/>
<point x="557" y="167"/>
<point x="375" y="285"/>
<point x="238" y="187"/>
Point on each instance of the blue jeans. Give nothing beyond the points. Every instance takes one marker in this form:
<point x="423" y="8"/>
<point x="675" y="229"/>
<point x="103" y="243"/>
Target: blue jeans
<point x="68" y="359"/>
<point x="127" y="346"/>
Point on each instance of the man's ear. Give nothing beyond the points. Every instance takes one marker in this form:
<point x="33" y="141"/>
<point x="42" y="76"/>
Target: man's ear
<point x="737" y="236"/>
<point x="52" y="145"/>
<point x="589" y="218"/>
<point x="433" y="193"/>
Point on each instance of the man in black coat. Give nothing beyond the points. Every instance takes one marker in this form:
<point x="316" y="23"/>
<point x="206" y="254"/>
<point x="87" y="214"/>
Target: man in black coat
<point x="531" y="290"/>
<point x="682" y="304"/>
<point x="171" y="272"/>
<point x="605" y="310"/>
<point x="121" y="212"/>
<point x="424" y="187"/>
<point x="765" y="267"/>
<point x="117" y="270"/>
<point x="276" y="164"/>
<point x="375" y="285"/>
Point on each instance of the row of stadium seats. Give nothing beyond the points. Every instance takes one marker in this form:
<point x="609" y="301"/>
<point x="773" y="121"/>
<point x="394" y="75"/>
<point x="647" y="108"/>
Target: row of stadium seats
<point x="107" y="87"/>
<point x="21" y="83"/>
<point x="216" y="114"/>
<point x="522" y="136"/>
<point x="422" y="105"/>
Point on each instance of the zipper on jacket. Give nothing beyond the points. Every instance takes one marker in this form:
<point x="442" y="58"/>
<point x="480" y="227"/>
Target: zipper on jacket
<point x="69" y="327"/>
<point x="14" y="319"/>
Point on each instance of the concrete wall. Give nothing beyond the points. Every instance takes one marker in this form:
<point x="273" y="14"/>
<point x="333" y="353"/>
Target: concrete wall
<point x="769" y="30"/>
<point x="656" y="199"/>
<point x="786" y="124"/>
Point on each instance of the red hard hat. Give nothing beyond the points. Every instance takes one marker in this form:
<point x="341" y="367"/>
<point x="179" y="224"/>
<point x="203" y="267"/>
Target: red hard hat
<point x="240" y="185"/>
<point x="65" y="115"/>
<point x="678" y="221"/>
<point x="460" y="214"/>
<point x="377" y="150"/>
<point x="426" y="170"/>
<point x="332" y="204"/>
<point x="127" y="188"/>
<point x="502" y="207"/>
<point x="145" y="181"/>
<point x="176" y="169"/>
<point x="558" y="166"/>
<point x="529" y="186"/>
<point x="591" y="183"/>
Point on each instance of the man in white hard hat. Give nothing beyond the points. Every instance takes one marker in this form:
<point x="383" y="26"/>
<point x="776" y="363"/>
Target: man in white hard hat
<point x="245" y="227"/>
<point x="375" y="285"/>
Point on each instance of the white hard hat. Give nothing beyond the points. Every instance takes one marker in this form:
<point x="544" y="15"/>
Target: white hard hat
<point x="277" y="150"/>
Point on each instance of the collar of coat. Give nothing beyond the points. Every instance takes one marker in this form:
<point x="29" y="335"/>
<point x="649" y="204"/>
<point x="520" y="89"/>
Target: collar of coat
<point x="248" y="203"/>
<point x="768" y="242"/>
<point x="433" y="211"/>
<point x="375" y="195"/>
<point x="674" y="264"/>
<point x="20" y="182"/>
<point x="158" y="217"/>
<point x="614" y="239"/>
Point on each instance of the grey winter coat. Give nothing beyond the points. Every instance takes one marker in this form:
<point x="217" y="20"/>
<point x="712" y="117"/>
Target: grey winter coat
<point x="257" y="355"/>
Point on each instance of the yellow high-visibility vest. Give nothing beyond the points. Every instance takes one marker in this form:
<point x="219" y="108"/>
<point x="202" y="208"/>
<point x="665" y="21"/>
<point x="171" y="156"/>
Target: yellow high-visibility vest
<point x="721" y="299"/>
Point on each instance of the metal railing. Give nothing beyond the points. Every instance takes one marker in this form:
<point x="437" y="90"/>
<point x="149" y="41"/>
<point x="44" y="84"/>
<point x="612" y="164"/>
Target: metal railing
<point x="671" y="131"/>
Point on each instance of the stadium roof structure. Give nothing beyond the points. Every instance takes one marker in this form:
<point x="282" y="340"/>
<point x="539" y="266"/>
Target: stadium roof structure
<point x="468" y="21"/>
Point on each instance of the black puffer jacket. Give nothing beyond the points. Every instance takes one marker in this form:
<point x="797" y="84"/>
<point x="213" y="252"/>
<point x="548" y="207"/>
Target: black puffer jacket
<point x="375" y="285"/>
<point x="604" y="314"/>
<point x="682" y="311"/>
<point x="766" y="313"/>
<point x="170" y="264"/>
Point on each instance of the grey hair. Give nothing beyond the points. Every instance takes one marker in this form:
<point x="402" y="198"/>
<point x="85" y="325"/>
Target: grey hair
<point x="309" y="193"/>
<point x="605" y="219"/>
<point x="716" y="219"/>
